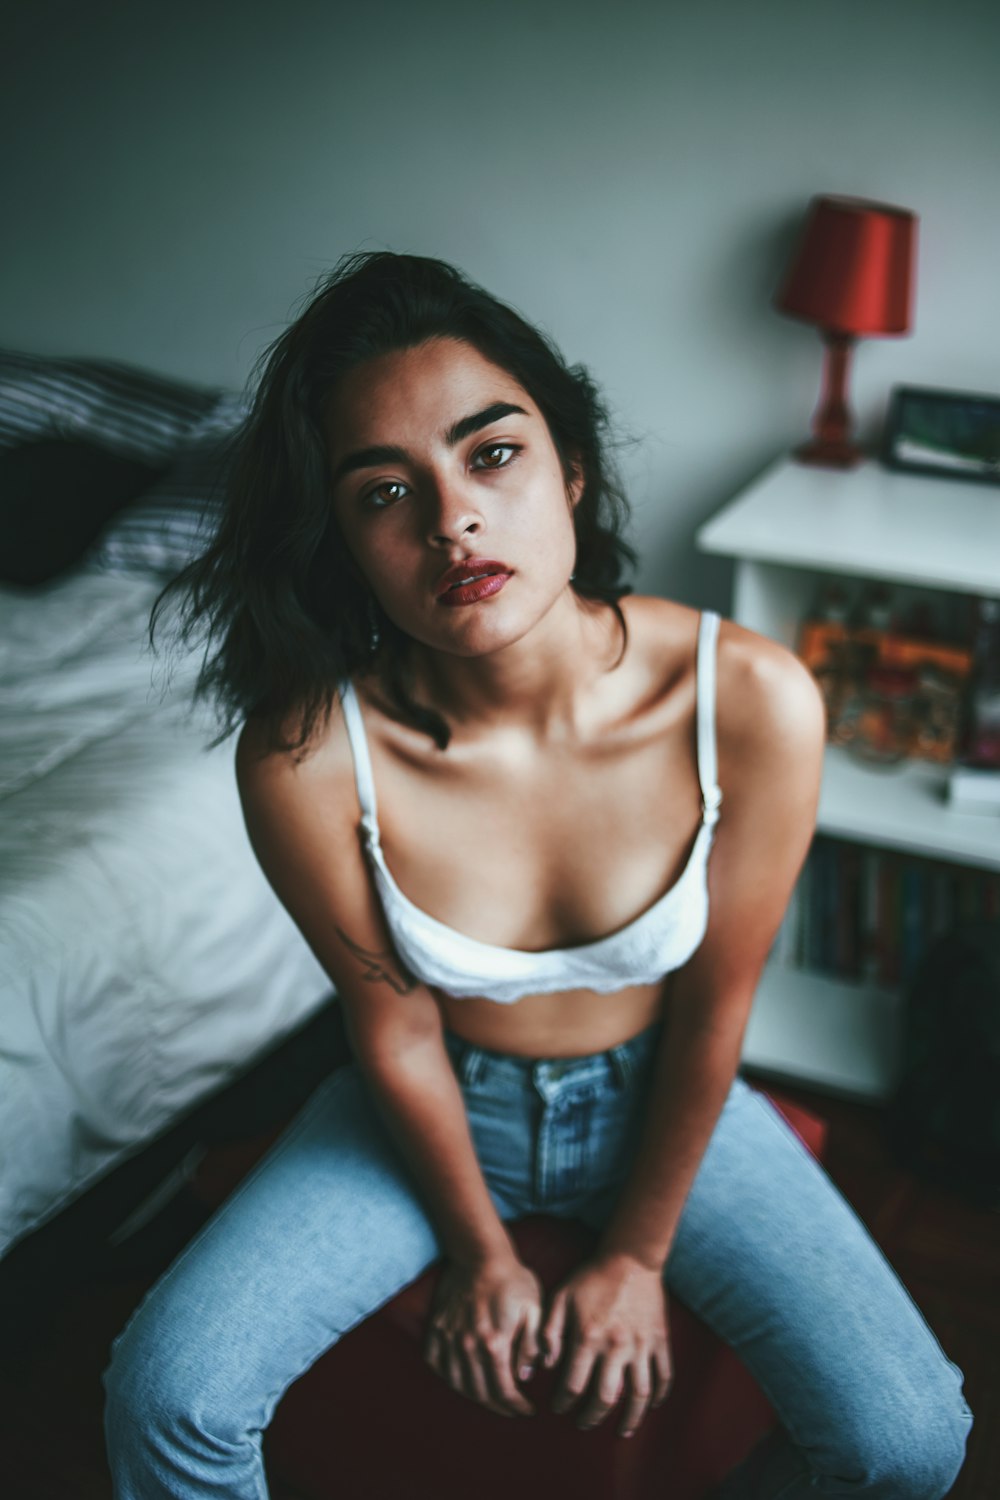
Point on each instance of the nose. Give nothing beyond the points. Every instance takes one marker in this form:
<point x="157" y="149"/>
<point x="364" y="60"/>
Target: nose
<point x="452" y="515"/>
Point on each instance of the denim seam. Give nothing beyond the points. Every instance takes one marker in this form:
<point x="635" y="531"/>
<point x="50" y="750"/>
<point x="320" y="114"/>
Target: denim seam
<point x="340" y="1334"/>
<point x="294" y="1130"/>
<point x="779" y="1121"/>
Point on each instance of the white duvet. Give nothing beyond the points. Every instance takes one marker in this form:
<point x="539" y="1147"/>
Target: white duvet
<point x="144" y="959"/>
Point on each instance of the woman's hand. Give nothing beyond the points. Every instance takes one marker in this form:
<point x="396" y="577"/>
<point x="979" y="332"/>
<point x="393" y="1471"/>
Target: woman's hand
<point x="609" y="1322"/>
<point x="483" y="1334"/>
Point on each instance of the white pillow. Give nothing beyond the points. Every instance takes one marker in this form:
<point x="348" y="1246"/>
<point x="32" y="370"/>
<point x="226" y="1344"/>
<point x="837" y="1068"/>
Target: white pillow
<point x="128" y="411"/>
<point x="175" y="519"/>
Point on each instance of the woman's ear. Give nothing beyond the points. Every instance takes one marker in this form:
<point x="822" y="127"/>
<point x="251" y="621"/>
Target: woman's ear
<point x="576" y="482"/>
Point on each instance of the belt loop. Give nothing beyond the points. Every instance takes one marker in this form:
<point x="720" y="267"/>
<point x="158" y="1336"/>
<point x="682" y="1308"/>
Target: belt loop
<point x="621" y="1061"/>
<point x="632" y="1057"/>
<point x="469" y="1063"/>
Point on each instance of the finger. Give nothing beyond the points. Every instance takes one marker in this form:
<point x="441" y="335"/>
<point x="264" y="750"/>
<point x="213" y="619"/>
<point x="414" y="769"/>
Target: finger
<point x="553" y="1329"/>
<point x="663" y="1374"/>
<point x="606" y="1390"/>
<point x="575" y="1378"/>
<point x="527" y="1348"/>
<point x="434" y="1352"/>
<point x="497" y="1358"/>
<point x="476" y="1384"/>
<point x="637" y="1400"/>
<point x="454" y="1369"/>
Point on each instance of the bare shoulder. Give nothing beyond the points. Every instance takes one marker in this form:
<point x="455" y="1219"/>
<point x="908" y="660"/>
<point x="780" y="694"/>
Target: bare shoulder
<point x="301" y="814"/>
<point x="267" y="774"/>
<point x="668" y="628"/>
<point x="662" y="637"/>
<point x="771" y="731"/>
<point x="658" y="621"/>
<point x="770" y="716"/>
<point x="768" y="702"/>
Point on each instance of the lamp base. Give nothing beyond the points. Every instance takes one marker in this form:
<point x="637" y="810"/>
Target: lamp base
<point x="829" y="455"/>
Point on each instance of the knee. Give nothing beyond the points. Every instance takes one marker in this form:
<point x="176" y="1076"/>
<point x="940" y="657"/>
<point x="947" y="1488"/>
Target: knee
<point x="915" y="1451"/>
<point x="159" y="1395"/>
<point x="142" y="1390"/>
<point x="925" y="1463"/>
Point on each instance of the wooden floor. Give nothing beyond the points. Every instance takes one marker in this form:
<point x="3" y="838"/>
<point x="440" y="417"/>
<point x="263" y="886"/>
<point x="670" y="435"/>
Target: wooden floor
<point x="63" y="1303"/>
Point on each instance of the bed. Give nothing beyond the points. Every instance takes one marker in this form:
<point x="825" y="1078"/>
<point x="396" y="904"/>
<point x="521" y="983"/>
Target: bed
<point x="144" y="961"/>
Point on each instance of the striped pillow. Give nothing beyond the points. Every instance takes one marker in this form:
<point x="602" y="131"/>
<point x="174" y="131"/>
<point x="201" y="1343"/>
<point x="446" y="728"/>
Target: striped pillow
<point x="175" y="519"/>
<point x="128" y="411"/>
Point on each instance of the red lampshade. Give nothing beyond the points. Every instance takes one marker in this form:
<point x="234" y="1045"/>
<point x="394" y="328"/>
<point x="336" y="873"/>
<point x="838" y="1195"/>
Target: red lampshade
<point x="853" y="271"/>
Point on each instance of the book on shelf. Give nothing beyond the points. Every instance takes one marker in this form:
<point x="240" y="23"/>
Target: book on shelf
<point x="867" y="914"/>
<point x="784" y="949"/>
<point x="870" y="914"/>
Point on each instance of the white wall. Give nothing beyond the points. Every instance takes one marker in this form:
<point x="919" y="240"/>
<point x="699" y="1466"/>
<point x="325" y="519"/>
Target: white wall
<point x="631" y="175"/>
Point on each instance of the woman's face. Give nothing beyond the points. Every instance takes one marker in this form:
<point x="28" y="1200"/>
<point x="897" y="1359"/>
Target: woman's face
<point x="451" y="496"/>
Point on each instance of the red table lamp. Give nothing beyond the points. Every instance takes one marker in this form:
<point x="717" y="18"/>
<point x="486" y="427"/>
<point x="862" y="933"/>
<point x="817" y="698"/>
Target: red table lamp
<point x="852" y="274"/>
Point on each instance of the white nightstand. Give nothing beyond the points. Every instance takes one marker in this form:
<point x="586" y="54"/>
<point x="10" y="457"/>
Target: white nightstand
<point x="789" y="531"/>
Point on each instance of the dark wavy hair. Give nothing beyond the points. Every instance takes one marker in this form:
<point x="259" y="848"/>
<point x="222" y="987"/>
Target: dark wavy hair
<point x="283" y="614"/>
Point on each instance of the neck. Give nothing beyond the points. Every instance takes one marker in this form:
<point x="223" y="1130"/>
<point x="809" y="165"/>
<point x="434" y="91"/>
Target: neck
<point x="538" y="684"/>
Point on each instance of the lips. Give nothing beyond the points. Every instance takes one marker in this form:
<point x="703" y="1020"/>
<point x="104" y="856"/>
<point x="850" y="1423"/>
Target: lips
<point x="471" y="580"/>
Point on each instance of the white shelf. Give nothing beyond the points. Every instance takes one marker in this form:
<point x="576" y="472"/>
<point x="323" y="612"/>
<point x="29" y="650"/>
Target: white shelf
<point x="787" y="530"/>
<point x="882" y="523"/>
<point x="823" y="1031"/>
<point x="903" y="807"/>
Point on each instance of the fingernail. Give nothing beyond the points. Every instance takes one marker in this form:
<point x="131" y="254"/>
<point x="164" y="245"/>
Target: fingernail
<point x="525" y="1372"/>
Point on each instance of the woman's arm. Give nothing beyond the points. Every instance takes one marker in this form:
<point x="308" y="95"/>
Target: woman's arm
<point x="301" y="817"/>
<point x="771" y="738"/>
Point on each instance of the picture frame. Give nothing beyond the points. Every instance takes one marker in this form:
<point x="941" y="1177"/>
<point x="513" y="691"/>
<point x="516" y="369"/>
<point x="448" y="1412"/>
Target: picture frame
<point x="950" y="433"/>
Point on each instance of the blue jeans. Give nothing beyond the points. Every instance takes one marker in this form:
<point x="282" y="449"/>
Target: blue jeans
<point x="329" y="1226"/>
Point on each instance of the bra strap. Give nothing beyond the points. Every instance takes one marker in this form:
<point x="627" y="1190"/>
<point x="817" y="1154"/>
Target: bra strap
<point x="363" y="778"/>
<point x="711" y="793"/>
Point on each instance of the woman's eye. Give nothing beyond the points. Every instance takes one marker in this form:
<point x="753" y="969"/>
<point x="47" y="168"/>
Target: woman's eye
<point x="495" y="456"/>
<point x="386" y="493"/>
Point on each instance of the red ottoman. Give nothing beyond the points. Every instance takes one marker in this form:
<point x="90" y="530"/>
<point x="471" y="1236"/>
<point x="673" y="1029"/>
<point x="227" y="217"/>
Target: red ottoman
<point x="371" y="1421"/>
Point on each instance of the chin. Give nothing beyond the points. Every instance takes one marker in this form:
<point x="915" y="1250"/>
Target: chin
<point x="469" y="639"/>
<point x="479" y="629"/>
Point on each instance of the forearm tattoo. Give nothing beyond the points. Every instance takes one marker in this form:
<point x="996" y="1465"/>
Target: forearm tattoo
<point x="380" y="967"/>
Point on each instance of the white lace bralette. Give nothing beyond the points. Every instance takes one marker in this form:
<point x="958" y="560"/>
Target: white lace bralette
<point x="659" y="940"/>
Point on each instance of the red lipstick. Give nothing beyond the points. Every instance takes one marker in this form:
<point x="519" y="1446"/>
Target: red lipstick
<point x="470" y="581"/>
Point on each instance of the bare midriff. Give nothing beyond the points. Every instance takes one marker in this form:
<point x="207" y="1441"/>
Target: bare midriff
<point x="571" y="1023"/>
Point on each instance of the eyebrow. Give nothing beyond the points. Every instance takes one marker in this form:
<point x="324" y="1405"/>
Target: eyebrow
<point x="385" y="453"/>
<point x="466" y="426"/>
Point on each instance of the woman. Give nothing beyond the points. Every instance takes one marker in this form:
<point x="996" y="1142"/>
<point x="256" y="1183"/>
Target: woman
<point x="487" y="787"/>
